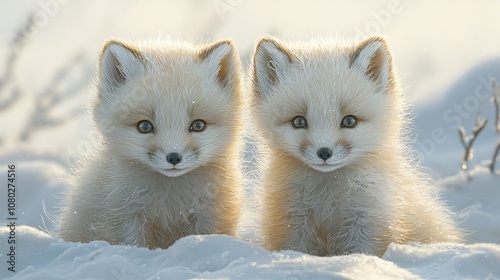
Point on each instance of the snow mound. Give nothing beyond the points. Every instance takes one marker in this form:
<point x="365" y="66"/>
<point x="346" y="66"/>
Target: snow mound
<point x="448" y="261"/>
<point x="39" y="188"/>
<point x="476" y="201"/>
<point x="40" y="256"/>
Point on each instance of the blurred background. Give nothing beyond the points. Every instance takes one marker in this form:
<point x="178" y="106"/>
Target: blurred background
<point x="447" y="53"/>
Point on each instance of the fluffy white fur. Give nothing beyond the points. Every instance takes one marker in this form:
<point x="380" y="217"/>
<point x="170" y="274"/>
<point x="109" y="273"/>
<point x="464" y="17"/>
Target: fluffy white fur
<point x="124" y="190"/>
<point x="367" y="194"/>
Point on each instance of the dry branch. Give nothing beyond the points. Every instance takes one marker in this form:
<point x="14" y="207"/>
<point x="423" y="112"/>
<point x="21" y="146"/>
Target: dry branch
<point x="468" y="140"/>
<point x="495" y="91"/>
<point x="17" y="44"/>
<point x="45" y="102"/>
<point x="494" y="159"/>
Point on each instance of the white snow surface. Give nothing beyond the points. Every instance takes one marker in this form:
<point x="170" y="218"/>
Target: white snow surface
<point x="222" y="257"/>
<point x="446" y="63"/>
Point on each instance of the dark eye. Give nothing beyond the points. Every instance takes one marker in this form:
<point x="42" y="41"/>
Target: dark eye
<point x="299" y="122"/>
<point x="145" y="127"/>
<point x="198" y="126"/>
<point x="349" y="122"/>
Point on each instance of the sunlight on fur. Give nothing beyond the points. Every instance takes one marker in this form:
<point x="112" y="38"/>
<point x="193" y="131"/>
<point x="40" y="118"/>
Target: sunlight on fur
<point x="334" y="186"/>
<point x="164" y="161"/>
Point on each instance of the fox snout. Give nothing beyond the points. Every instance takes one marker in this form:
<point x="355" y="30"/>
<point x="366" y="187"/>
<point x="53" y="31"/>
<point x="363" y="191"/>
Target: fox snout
<point x="174" y="158"/>
<point x="324" y="153"/>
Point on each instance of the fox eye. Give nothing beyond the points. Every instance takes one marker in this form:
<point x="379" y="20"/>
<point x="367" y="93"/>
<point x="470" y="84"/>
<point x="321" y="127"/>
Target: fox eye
<point x="198" y="126"/>
<point x="145" y="127"/>
<point x="349" y="122"/>
<point x="299" y="122"/>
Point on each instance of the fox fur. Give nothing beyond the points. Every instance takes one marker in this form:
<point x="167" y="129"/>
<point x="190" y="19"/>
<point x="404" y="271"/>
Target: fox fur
<point x="368" y="193"/>
<point x="124" y="190"/>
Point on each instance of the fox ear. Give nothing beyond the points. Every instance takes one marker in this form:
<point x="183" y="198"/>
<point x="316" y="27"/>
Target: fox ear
<point x="374" y="59"/>
<point x="118" y="62"/>
<point x="223" y="62"/>
<point x="270" y="62"/>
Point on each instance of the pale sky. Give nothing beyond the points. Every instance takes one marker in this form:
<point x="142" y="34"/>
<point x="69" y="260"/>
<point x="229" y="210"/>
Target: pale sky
<point x="433" y="42"/>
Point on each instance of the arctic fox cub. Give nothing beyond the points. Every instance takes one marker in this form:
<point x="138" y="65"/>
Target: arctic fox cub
<point x="165" y="164"/>
<point x="338" y="179"/>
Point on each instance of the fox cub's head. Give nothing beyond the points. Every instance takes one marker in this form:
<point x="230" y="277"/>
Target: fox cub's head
<point x="168" y="107"/>
<point x="327" y="105"/>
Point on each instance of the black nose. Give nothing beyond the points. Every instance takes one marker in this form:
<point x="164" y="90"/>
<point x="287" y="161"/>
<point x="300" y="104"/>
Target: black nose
<point x="174" y="158"/>
<point x="324" y="153"/>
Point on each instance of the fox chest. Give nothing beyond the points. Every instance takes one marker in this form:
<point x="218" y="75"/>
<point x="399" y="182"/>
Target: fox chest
<point x="173" y="208"/>
<point x="332" y="204"/>
<point x="331" y="219"/>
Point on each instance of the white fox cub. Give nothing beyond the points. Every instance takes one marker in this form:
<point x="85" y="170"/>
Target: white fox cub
<point x="338" y="179"/>
<point x="165" y="165"/>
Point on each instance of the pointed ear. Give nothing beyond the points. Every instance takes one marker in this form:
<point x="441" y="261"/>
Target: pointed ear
<point x="270" y="63"/>
<point x="223" y="63"/>
<point x="118" y="62"/>
<point x="373" y="58"/>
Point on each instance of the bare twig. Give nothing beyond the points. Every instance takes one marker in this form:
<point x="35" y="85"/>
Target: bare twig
<point x="50" y="97"/>
<point x="496" y="102"/>
<point x="11" y="99"/>
<point x="18" y="42"/>
<point x="468" y="141"/>
<point x="494" y="159"/>
<point x="461" y="133"/>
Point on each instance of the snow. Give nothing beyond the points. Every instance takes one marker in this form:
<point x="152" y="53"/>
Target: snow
<point x="445" y="63"/>
<point x="477" y="203"/>
<point x="224" y="257"/>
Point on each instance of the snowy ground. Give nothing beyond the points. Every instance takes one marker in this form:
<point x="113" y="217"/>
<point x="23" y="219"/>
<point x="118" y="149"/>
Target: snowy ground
<point x="41" y="256"/>
<point x="446" y="63"/>
<point x="223" y="257"/>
